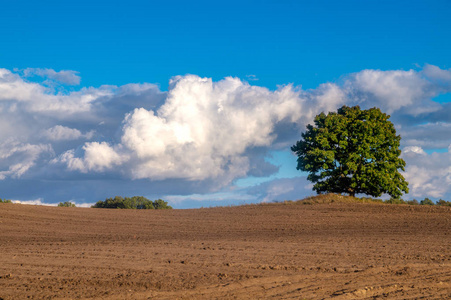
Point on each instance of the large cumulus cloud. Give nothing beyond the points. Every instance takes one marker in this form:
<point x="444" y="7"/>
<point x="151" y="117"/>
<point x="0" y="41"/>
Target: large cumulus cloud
<point x="202" y="134"/>
<point x="203" y="130"/>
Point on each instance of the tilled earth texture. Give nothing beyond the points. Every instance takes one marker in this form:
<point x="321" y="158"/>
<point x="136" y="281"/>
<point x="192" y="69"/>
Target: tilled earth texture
<point x="270" y="251"/>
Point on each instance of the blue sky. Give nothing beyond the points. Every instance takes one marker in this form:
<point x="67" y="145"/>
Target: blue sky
<point x="71" y="66"/>
<point x="303" y="42"/>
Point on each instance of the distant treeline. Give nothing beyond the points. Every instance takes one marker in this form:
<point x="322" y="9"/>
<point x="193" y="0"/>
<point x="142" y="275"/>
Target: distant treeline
<point x="66" y="204"/>
<point x="425" y="201"/>
<point x="331" y="198"/>
<point x="139" y="202"/>
<point x="136" y="202"/>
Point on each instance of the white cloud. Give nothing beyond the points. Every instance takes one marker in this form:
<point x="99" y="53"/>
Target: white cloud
<point x="98" y="157"/>
<point x="327" y="97"/>
<point x="65" y="76"/>
<point x="14" y="88"/>
<point x="33" y="202"/>
<point x="392" y="91"/>
<point x="16" y="93"/>
<point x="61" y="133"/>
<point x="202" y="131"/>
<point x="436" y="73"/>
<point x="429" y="175"/>
<point x="41" y="202"/>
<point x="17" y="158"/>
<point x="84" y="205"/>
<point x="252" y="77"/>
<point x="413" y="149"/>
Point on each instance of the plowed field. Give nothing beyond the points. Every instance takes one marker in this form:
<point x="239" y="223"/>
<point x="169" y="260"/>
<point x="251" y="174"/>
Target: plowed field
<point x="280" y="251"/>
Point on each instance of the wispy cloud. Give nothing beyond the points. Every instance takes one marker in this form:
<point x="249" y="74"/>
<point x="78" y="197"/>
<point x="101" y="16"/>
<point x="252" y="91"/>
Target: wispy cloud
<point x="17" y="158"/>
<point x="62" y="133"/>
<point x="34" y="202"/>
<point x="251" y="77"/>
<point x="41" y="202"/>
<point x="68" y="77"/>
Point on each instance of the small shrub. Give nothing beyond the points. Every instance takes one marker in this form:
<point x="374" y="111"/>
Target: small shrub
<point x="442" y="202"/>
<point x="5" y="201"/>
<point x="413" y="202"/>
<point x="426" y="201"/>
<point x="395" y="201"/>
<point x="66" y="204"/>
<point x="377" y="200"/>
<point x="160" y="204"/>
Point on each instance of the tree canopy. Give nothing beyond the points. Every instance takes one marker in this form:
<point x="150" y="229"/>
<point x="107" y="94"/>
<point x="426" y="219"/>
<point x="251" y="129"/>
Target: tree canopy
<point x="135" y="202"/>
<point x="352" y="151"/>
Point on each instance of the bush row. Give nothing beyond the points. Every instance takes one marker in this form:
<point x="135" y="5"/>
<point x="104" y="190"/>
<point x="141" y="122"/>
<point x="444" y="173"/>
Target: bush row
<point x="66" y="204"/>
<point x="425" y="201"/>
<point x="136" y="202"/>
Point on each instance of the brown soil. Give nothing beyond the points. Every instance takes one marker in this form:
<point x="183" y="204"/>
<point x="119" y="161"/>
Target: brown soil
<point x="280" y="251"/>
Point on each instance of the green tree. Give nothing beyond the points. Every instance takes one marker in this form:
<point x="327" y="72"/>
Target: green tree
<point x="427" y="201"/>
<point x="352" y="151"/>
<point x="413" y="202"/>
<point x="161" y="204"/>
<point x="395" y="201"/>
<point x="443" y="202"/>
<point x="66" y="204"/>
